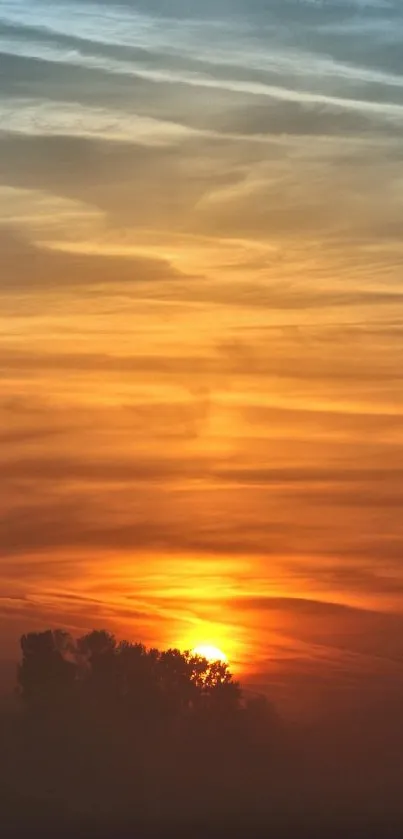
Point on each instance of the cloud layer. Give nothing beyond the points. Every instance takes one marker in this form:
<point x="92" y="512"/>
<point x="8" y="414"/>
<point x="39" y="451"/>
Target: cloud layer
<point x="202" y="327"/>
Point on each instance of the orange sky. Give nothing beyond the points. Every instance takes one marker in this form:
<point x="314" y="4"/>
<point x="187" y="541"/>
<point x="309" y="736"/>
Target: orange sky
<point x="201" y="330"/>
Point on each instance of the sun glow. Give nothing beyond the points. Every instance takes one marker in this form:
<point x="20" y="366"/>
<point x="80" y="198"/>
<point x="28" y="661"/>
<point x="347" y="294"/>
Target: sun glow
<point x="210" y="652"/>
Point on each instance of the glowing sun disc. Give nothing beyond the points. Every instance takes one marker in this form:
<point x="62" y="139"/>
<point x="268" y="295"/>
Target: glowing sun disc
<point x="210" y="653"/>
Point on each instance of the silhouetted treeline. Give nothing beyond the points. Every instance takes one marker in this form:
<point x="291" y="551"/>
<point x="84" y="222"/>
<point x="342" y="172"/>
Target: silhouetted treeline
<point x="116" y="733"/>
<point x="123" y="677"/>
<point x="112" y="739"/>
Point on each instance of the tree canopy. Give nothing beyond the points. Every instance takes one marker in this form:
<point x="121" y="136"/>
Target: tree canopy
<point x="55" y="667"/>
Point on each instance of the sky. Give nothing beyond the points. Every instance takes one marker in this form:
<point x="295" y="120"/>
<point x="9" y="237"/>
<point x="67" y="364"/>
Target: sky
<point x="201" y="330"/>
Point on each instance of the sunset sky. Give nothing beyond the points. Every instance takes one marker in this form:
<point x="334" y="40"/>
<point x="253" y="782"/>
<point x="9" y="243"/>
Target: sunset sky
<point x="201" y="318"/>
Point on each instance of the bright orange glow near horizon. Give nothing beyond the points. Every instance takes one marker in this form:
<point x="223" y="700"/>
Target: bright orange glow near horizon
<point x="210" y="652"/>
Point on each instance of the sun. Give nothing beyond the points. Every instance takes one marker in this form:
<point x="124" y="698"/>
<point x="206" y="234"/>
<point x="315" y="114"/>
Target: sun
<point x="210" y="652"/>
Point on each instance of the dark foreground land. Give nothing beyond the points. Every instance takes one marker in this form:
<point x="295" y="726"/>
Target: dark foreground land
<point x="110" y="741"/>
<point x="112" y="783"/>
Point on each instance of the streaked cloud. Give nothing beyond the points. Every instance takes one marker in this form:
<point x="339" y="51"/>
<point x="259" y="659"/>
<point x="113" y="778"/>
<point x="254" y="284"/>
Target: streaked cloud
<point x="202" y="328"/>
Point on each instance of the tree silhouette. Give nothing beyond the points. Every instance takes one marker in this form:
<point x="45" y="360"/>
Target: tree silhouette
<point x="96" y="644"/>
<point x="98" y="650"/>
<point x="140" y="681"/>
<point x="48" y="670"/>
<point x="124" y="731"/>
